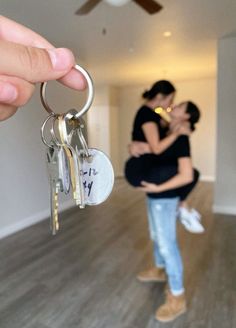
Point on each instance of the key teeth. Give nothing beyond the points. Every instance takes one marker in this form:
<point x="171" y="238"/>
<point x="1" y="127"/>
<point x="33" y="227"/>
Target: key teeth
<point x="55" y="223"/>
<point x="79" y="203"/>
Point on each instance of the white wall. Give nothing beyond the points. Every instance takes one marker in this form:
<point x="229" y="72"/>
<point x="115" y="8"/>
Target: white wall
<point x="24" y="192"/>
<point x="203" y="140"/>
<point x="98" y="121"/>
<point x="225" y="187"/>
<point x="202" y="92"/>
<point x="103" y="123"/>
<point x="114" y="128"/>
<point x="129" y="102"/>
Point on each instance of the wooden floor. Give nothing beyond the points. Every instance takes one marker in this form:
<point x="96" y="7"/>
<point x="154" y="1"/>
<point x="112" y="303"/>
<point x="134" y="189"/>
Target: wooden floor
<point x="84" y="277"/>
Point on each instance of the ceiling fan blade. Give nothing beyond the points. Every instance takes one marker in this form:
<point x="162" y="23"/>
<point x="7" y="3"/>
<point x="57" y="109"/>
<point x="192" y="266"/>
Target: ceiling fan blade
<point x="87" y="7"/>
<point x="150" y="6"/>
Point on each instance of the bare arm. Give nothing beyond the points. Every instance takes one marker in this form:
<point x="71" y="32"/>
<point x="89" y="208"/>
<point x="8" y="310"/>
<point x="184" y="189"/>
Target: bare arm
<point x="154" y="144"/>
<point x="138" y="148"/>
<point x="151" y="133"/>
<point x="183" y="177"/>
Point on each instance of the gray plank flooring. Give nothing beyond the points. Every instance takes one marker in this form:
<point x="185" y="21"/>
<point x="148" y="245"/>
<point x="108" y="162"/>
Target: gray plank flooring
<point x="84" y="277"/>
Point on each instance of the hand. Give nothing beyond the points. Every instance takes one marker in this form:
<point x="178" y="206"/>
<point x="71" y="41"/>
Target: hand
<point x="184" y="129"/>
<point x="180" y="127"/>
<point x="148" y="187"/>
<point x="27" y="58"/>
<point x="137" y="148"/>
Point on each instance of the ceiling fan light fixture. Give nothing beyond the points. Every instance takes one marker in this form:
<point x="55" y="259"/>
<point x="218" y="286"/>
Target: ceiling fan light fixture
<point x="117" y="3"/>
<point x="150" y="6"/>
<point x="167" y="34"/>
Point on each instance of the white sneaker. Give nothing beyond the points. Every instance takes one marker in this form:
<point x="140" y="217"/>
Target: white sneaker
<point x="195" y="213"/>
<point x="191" y="220"/>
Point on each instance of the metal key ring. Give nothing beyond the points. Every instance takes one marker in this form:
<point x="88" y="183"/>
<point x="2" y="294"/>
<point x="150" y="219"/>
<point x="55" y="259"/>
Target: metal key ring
<point x="89" y="97"/>
<point x="53" y="134"/>
<point x="71" y="114"/>
<point x="54" y="139"/>
<point x="83" y="143"/>
<point x="52" y="115"/>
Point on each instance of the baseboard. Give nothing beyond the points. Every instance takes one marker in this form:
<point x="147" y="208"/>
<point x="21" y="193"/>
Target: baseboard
<point x="119" y="176"/>
<point x="31" y="220"/>
<point x="207" y="178"/>
<point x="229" y="210"/>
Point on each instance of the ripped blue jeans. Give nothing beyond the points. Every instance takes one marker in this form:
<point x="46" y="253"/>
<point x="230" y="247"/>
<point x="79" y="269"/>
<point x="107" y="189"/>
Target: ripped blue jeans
<point x="162" y="216"/>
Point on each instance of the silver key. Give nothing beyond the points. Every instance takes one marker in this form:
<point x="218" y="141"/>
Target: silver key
<point x="63" y="167"/>
<point x="74" y="164"/>
<point x="55" y="185"/>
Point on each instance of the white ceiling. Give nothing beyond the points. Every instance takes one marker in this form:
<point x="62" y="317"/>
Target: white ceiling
<point x="133" y="50"/>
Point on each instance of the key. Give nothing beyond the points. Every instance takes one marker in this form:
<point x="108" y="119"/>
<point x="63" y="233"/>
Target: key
<point x="63" y="164"/>
<point x="75" y="124"/>
<point x="81" y="149"/>
<point x="54" y="208"/>
<point x="55" y="185"/>
<point x="76" y="180"/>
<point x="96" y="170"/>
<point x="64" y="174"/>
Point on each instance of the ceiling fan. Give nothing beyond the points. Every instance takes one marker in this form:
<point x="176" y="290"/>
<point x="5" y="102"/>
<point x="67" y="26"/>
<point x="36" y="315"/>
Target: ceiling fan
<point x="150" y="6"/>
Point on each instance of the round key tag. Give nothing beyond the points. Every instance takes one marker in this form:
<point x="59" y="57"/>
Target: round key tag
<point x="97" y="175"/>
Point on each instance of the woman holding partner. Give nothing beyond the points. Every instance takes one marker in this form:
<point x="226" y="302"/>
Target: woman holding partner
<point x="161" y="135"/>
<point x="162" y="200"/>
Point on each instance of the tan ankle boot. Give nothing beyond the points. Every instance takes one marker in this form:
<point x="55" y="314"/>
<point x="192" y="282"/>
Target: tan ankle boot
<point x="172" y="308"/>
<point x="153" y="274"/>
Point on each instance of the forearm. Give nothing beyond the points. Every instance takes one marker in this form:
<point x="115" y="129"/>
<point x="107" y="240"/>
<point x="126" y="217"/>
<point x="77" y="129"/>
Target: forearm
<point x="137" y="148"/>
<point x="162" y="145"/>
<point x="177" y="181"/>
<point x="156" y="144"/>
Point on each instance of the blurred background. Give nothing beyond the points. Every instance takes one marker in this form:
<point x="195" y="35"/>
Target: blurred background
<point x="125" y="49"/>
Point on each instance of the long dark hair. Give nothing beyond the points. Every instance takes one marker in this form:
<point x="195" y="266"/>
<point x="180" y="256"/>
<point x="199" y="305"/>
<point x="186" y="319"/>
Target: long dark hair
<point x="194" y="113"/>
<point x="164" y="87"/>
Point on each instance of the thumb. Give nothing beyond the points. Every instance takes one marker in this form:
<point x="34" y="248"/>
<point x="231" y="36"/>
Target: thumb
<point x="34" y="64"/>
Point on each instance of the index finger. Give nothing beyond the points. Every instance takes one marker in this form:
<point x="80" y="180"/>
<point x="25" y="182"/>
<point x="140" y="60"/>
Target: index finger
<point x="17" y="33"/>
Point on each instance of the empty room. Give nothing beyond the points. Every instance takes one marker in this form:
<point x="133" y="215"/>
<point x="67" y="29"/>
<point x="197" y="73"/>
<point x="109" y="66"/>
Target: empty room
<point x="118" y="164"/>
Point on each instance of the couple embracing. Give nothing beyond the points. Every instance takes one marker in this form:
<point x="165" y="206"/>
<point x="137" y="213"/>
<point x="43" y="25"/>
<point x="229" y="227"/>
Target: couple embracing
<point x="161" y="167"/>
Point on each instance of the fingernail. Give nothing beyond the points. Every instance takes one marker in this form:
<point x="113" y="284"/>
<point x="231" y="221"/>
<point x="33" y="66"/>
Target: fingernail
<point x="8" y="92"/>
<point x="61" y="58"/>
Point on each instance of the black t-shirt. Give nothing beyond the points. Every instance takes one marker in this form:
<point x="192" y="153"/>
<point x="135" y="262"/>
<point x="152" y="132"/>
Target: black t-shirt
<point x="169" y="158"/>
<point x="180" y="148"/>
<point x="146" y="114"/>
<point x="161" y="166"/>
